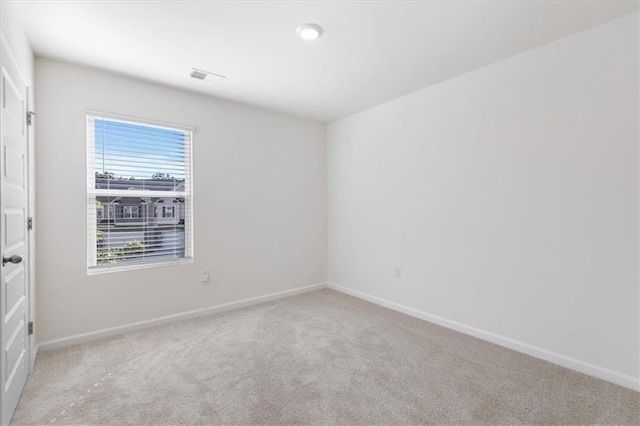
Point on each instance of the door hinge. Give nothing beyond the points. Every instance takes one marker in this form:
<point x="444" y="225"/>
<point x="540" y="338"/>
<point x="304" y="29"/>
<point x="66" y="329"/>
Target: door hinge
<point x="30" y="328"/>
<point x="30" y="115"/>
<point x="30" y="224"/>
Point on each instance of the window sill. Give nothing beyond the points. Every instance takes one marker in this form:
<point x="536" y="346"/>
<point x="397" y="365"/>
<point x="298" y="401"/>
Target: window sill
<point x="109" y="269"/>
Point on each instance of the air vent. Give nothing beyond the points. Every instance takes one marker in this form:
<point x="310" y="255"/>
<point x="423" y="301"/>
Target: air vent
<point x="198" y="74"/>
<point x="206" y="75"/>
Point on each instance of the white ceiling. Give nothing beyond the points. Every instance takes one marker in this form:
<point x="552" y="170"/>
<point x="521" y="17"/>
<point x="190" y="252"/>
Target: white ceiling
<point x="371" y="52"/>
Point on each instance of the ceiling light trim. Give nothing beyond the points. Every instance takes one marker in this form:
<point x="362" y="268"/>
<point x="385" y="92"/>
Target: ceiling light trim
<point x="309" y="31"/>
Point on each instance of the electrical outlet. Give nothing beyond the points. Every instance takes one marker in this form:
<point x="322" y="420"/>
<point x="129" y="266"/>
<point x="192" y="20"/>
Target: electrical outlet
<point x="204" y="276"/>
<point x="398" y="272"/>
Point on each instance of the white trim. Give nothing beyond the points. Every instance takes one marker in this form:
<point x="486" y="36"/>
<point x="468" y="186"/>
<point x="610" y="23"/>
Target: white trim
<point x="638" y="229"/>
<point x="93" y="266"/>
<point x="197" y="313"/>
<point x="552" y="357"/>
<point x="31" y="215"/>
<point x="189" y="245"/>
<point x="105" y="269"/>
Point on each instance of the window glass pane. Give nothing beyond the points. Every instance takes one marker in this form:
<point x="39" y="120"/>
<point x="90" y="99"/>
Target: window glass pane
<point x="134" y="233"/>
<point x="139" y="209"/>
<point x="132" y="156"/>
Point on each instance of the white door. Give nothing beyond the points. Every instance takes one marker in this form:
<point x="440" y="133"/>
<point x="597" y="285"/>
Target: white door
<point x="13" y="235"/>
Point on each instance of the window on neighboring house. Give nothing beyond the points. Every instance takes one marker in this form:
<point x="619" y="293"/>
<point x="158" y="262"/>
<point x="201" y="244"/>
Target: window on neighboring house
<point x="130" y="212"/>
<point x="130" y="162"/>
<point x="168" y="211"/>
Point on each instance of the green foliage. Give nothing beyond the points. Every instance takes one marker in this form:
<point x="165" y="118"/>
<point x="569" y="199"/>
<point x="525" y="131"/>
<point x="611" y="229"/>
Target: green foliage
<point x="133" y="248"/>
<point x="109" y="256"/>
<point x="112" y="176"/>
<point x="130" y="250"/>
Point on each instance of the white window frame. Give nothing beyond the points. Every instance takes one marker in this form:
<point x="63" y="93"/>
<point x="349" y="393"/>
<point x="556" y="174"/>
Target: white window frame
<point x="93" y="193"/>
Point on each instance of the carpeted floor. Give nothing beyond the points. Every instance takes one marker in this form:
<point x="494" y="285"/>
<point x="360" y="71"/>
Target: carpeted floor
<point x="316" y="358"/>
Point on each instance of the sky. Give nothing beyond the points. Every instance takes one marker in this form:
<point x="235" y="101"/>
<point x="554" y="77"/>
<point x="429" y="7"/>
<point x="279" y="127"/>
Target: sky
<point x="133" y="150"/>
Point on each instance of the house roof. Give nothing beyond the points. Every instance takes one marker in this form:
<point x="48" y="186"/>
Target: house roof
<point x="137" y="185"/>
<point x="141" y="184"/>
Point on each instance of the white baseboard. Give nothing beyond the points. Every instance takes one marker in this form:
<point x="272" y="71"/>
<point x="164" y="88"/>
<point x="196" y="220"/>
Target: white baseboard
<point x="552" y="357"/>
<point x="114" y="331"/>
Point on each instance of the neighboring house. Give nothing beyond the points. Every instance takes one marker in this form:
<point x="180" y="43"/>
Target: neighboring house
<point x="158" y="223"/>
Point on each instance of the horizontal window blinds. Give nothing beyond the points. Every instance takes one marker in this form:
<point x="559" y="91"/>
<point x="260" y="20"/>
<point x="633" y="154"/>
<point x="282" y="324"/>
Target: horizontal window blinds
<point x="138" y="193"/>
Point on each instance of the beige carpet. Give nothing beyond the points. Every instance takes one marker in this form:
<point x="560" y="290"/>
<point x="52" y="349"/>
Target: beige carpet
<point x="320" y="358"/>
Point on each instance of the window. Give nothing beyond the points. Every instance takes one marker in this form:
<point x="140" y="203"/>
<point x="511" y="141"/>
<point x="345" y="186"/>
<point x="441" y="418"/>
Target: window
<point x="131" y="166"/>
<point x="130" y="212"/>
<point x="167" y="211"/>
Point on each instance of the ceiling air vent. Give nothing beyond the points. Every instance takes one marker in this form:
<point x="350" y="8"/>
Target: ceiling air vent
<point x="206" y="75"/>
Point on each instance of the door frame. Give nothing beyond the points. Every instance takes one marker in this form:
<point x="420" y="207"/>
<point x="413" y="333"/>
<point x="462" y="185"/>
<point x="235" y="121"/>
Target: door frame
<point x="32" y="346"/>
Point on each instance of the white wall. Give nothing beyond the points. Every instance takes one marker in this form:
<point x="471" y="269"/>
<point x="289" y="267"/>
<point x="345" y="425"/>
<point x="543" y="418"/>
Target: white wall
<point x="259" y="203"/>
<point x="509" y="197"/>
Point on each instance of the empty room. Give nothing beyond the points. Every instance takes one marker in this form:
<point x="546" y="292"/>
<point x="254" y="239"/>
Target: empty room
<point x="320" y="212"/>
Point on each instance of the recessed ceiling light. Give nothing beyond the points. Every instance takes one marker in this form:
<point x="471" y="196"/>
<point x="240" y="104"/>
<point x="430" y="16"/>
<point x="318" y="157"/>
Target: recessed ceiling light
<point x="206" y="75"/>
<point x="309" y="31"/>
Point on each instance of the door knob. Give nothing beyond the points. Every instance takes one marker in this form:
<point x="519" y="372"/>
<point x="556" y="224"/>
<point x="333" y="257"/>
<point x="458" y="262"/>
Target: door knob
<point x="13" y="259"/>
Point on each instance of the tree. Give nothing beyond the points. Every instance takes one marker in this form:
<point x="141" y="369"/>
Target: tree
<point x="99" y="233"/>
<point x="105" y="175"/>
<point x="112" y="176"/>
<point x="161" y="176"/>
